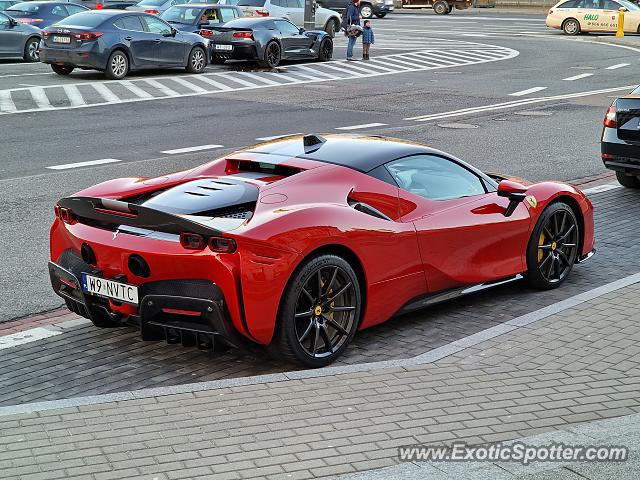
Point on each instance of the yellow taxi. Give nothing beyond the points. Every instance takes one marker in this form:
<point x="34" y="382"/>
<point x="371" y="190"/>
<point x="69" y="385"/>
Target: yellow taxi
<point x="575" y="16"/>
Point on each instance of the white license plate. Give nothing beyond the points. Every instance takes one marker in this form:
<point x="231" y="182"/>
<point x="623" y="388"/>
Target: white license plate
<point x="224" y="47"/>
<point x="57" y="39"/>
<point x="110" y="289"/>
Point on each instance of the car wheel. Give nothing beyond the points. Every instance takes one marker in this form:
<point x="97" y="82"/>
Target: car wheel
<point x="319" y="313"/>
<point x="117" y="66"/>
<point x="197" y="60"/>
<point x="31" y="52"/>
<point x="62" y="69"/>
<point x="629" y="181"/>
<point x="380" y="15"/>
<point x="326" y="50"/>
<point x="441" y="7"/>
<point x="553" y="247"/>
<point x="272" y="55"/>
<point x="571" y="26"/>
<point x="366" y="11"/>
<point x="331" y="27"/>
<point x="218" y="60"/>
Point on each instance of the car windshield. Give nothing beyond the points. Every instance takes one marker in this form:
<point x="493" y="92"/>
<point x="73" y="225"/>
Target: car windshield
<point x="151" y="3"/>
<point x="250" y="3"/>
<point x="24" y="8"/>
<point x="182" y="15"/>
<point x="84" y="19"/>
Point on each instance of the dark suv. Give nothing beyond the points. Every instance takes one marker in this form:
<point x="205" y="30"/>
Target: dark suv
<point x="620" y="144"/>
<point x="368" y="8"/>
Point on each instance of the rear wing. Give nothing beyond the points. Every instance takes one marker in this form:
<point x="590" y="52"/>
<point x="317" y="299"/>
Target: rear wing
<point x="115" y="213"/>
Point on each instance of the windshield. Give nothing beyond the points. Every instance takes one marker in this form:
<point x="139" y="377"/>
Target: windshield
<point x="151" y="3"/>
<point x="182" y="15"/>
<point x="84" y="19"/>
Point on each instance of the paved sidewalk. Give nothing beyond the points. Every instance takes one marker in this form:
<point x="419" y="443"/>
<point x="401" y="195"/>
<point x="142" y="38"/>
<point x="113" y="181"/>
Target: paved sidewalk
<point x="570" y="367"/>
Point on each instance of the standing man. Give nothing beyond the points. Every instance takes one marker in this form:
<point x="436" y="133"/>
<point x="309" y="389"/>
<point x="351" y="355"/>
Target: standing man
<point x="352" y="17"/>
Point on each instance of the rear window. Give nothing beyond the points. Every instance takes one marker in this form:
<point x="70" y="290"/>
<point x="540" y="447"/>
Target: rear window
<point x="84" y="19"/>
<point x="247" y="22"/>
<point x="24" y="7"/>
<point x="151" y="3"/>
<point x="250" y="3"/>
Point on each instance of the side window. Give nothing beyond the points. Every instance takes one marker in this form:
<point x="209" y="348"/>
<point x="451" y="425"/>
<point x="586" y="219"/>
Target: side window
<point x="59" y="11"/>
<point x="610" y="5"/>
<point x="286" y="27"/>
<point x="155" y="25"/>
<point x="570" y="4"/>
<point x="4" y="20"/>
<point x="211" y="16"/>
<point x="75" y="9"/>
<point x="131" y="23"/>
<point x="435" y="178"/>
<point x="294" y="4"/>
<point x="227" y="14"/>
<point x="279" y="3"/>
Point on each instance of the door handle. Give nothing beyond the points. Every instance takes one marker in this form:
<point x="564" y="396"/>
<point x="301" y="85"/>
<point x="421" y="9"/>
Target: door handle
<point x="157" y="40"/>
<point x="128" y="39"/>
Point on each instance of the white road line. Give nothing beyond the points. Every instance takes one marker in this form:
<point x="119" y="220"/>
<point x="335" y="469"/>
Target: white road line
<point x="364" y="125"/>
<point x="137" y="91"/>
<point x="83" y="164"/>
<point x="191" y="149"/>
<point x="40" y="97"/>
<point x="39" y="333"/>
<point x="315" y="73"/>
<point x="275" y="137"/>
<point x="210" y="81"/>
<point x="344" y="70"/>
<point x="105" y="93"/>
<point x="191" y="86"/>
<point x="617" y="65"/>
<point x="259" y="78"/>
<point x="577" y="77"/>
<point x="527" y="91"/>
<point x="601" y="188"/>
<point x="74" y="95"/>
<point x="227" y="76"/>
<point x="6" y="103"/>
<point x="163" y="88"/>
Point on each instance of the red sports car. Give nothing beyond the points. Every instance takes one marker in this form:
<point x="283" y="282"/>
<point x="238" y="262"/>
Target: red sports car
<point x="302" y="241"/>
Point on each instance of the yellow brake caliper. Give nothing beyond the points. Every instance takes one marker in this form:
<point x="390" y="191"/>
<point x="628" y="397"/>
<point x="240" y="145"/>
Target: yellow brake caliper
<point x="540" y="252"/>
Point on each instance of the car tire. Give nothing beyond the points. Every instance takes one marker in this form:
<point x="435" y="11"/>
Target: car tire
<point x="553" y="247"/>
<point x="331" y="27"/>
<point x="197" y="61"/>
<point x="117" y="66"/>
<point x="628" y="181"/>
<point x="441" y="7"/>
<point x="61" y="69"/>
<point x="272" y="55"/>
<point x="571" y="26"/>
<point x="31" y="53"/>
<point x="380" y="15"/>
<point x="366" y="11"/>
<point x="326" y="50"/>
<point x="218" y="60"/>
<point x="311" y="329"/>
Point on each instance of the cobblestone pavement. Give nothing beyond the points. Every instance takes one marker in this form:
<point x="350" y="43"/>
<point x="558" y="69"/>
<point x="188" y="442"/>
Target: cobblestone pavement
<point x="578" y="365"/>
<point x="86" y="360"/>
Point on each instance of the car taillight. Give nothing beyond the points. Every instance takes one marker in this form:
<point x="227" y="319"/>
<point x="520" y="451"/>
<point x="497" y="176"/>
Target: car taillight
<point x="87" y="36"/>
<point x="550" y="11"/>
<point x="45" y="33"/>
<point x="65" y="214"/>
<point x="207" y="33"/>
<point x="610" y="119"/>
<point x="152" y="12"/>
<point x="222" y="244"/>
<point x="242" y="34"/>
<point x="263" y="12"/>
<point x="192" y="241"/>
<point x="99" y="6"/>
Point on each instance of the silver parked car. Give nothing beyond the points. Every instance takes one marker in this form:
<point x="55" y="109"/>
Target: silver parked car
<point x="18" y="40"/>
<point x="155" y="7"/>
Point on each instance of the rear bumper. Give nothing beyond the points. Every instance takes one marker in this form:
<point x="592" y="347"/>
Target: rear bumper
<point x="382" y="9"/>
<point x="239" y="52"/>
<point x="191" y="311"/>
<point x="619" y="155"/>
<point x="73" y="57"/>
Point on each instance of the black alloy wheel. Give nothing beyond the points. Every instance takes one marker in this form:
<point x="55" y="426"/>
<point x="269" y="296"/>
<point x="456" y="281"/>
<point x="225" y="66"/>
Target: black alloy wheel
<point x="553" y="247"/>
<point x="272" y="55"/>
<point x="197" y="60"/>
<point x="628" y="181"/>
<point x="326" y="50"/>
<point x="320" y="311"/>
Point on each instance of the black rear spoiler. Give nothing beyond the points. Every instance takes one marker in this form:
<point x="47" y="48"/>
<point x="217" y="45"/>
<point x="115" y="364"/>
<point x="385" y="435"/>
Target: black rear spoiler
<point x="116" y="212"/>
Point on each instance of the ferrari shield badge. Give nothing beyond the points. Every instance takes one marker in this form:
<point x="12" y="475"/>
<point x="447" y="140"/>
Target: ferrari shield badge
<point x="531" y="200"/>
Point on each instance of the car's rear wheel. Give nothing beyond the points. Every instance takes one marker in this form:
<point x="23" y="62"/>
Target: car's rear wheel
<point x="61" y="69"/>
<point x="366" y="11"/>
<point x="629" y="181"/>
<point x="553" y="247"/>
<point x="571" y="26"/>
<point x="117" y="66"/>
<point x="31" y="52"/>
<point x="381" y="15"/>
<point x="272" y="55"/>
<point x="332" y="27"/>
<point x="326" y="50"/>
<point x="441" y="7"/>
<point x="197" y="60"/>
<point x="319" y="312"/>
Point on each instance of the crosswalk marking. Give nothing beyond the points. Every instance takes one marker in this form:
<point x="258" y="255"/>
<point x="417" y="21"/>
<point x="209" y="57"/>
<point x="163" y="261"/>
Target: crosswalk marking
<point x="577" y="77"/>
<point x="83" y="164"/>
<point x="617" y="65"/>
<point x="434" y="54"/>
<point x="527" y="91"/>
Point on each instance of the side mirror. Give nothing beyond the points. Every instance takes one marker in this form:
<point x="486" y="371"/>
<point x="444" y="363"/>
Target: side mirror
<point x="172" y="33"/>
<point x="12" y="23"/>
<point x="301" y="31"/>
<point x="515" y="192"/>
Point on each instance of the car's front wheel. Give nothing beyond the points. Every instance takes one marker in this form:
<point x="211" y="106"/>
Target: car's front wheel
<point x="629" y="181"/>
<point x="332" y="27"/>
<point x="441" y="7"/>
<point x="61" y="69"/>
<point x="571" y="26"/>
<point x="272" y="55"/>
<point x="366" y="11"/>
<point x="326" y="50"/>
<point x="31" y="50"/>
<point x="197" y="60"/>
<point x="117" y="66"/>
<point x="553" y="247"/>
<point x="319" y="313"/>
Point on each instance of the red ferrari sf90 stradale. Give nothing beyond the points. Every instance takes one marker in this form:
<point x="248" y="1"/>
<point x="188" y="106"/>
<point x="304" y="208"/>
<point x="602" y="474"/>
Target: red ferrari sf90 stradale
<point x="303" y="241"/>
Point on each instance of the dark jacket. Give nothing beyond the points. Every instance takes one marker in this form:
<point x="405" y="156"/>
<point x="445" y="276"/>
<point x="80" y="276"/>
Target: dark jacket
<point x="353" y="14"/>
<point x="367" y="35"/>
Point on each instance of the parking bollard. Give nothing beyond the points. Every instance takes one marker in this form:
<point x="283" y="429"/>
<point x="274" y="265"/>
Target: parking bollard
<point x="620" y="32"/>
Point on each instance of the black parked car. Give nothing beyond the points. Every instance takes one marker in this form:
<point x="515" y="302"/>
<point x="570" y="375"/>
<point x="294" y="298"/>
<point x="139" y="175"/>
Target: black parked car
<point x="266" y="40"/>
<point x="194" y="17"/>
<point x="115" y="42"/>
<point x="620" y="143"/>
<point x="43" y="14"/>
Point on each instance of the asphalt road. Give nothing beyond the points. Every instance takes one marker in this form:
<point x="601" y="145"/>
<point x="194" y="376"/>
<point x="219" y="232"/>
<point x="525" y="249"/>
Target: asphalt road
<point x="553" y="137"/>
